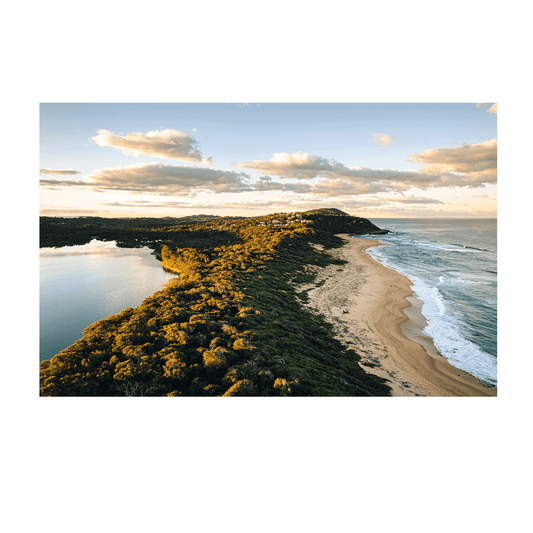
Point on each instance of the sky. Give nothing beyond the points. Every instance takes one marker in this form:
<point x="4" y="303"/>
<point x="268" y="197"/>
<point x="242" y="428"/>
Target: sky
<point x="372" y="160"/>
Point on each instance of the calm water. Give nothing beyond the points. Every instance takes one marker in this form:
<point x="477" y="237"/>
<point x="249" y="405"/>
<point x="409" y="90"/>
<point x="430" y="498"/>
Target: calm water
<point x="82" y="284"/>
<point x="456" y="281"/>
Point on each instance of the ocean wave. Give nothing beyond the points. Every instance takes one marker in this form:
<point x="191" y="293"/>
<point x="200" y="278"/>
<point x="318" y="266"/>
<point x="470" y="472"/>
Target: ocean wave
<point x="457" y="290"/>
<point x="471" y="251"/>
<point x="443" y="247"/>
<point x="474" y="278"/>
<point x="460" y="352"/>
<point x="445" y="279"/>
<point x="433" y="302"/>
<point x="465" y="278"/>
<point x="444" y="327"/>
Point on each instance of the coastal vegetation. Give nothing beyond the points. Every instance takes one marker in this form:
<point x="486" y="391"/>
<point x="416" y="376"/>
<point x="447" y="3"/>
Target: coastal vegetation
<point x="231" y="323"/>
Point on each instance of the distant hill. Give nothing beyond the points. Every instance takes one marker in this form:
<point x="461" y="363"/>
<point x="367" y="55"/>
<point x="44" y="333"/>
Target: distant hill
<point x="326" y="211"/>
<point x="336" y="221"/>
<point x="153" y="232"/>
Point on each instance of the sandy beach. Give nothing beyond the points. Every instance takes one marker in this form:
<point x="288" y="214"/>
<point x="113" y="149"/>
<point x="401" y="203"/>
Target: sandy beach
<point x="365" y="302"/>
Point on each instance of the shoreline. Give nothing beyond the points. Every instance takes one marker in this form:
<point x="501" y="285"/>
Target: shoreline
<point x="366" y="302"/>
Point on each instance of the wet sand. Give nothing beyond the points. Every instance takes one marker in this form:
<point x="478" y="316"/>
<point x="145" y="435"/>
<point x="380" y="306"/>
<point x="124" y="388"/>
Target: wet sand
<point x="365" y="302"/>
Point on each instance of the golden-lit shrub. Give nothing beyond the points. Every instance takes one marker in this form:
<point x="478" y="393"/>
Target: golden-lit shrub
<point x="215" y="358"/>
<point x="242" y="388"/>
<point x="242" y="343"/>
<point x="212" y="390"/>
<point x="280" y="383"/>
<point x="229" y="330"/>
<point x="174" y="334"/>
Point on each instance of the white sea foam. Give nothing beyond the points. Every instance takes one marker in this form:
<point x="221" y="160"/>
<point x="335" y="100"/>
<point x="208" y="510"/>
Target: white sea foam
<point x="445" y="329"/>
<point x="444" y="326"/>
<point x="446" y="279"/>
<point x="460" y="352"/>
<point x="443" y="247"/>
<point x="467" y="277"/>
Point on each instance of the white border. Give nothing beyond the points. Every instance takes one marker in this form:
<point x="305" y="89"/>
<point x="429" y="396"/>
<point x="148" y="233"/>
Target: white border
<point x="30" y="96"/>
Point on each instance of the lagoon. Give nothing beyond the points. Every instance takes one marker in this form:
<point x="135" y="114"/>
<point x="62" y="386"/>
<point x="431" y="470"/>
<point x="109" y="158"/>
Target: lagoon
<point x="82" y="284"/>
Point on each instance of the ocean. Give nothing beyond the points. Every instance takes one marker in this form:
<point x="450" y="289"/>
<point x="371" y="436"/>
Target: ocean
<point x="452" y="264"/>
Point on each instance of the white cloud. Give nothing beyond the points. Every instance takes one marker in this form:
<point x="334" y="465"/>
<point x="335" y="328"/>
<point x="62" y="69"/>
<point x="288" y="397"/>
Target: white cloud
<point x="303" y="166"/>
<point x="382" y="139"/>
<point x="158" y="178"/>
<point x="266" y="183"/>
<point x="48" y="211"/>
<point x="299" y="165"/>
<point x="473" y="163"/>
<point x="492" y="109"/>
<point x="59" y="172"/>
<point x="462" y="166"/>
<point x="280" y="204"/>
<point x="413" y="200"/>
<point x="343" y="187"/>
<point x="164" y="144"/>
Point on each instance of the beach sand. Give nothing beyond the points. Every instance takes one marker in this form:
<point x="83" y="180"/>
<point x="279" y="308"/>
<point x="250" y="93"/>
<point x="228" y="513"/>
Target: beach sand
<point x="365" y="302"/>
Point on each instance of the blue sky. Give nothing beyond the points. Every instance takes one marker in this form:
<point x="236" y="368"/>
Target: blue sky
<point x="375" y="160"/>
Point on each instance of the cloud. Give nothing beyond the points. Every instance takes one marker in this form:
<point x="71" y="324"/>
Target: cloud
<point x="47" y="182"/>
<point x="47" y="211"/>
<point x="413" y="200"/>
<point x="471" y="163"/>
<point x="265" y="183"/>
<point x="146" y="204"/>
<point x="492" y="109"/>
<point x="468" y="165"/>
<point x="343" y="187"/>
<point x="463" y="166"/>
<point x="57" y="172"/>
<point x="382" y="139"/>
<point x="299" y="165"/>
<point x="286" y="204"/>
<point x="158" y="178"/>
<point x="303" y="166"/>
<point x="166" y="144"/>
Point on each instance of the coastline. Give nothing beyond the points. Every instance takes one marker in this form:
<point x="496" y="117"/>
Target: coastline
<point x="365" y="301"/>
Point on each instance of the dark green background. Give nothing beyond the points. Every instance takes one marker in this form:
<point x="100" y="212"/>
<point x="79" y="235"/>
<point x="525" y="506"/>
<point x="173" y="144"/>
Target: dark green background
<point x="262" y="474"/>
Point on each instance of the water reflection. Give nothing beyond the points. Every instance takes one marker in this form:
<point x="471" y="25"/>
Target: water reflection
<point x="93" y="248"/>
<point x="82" y="284"/>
